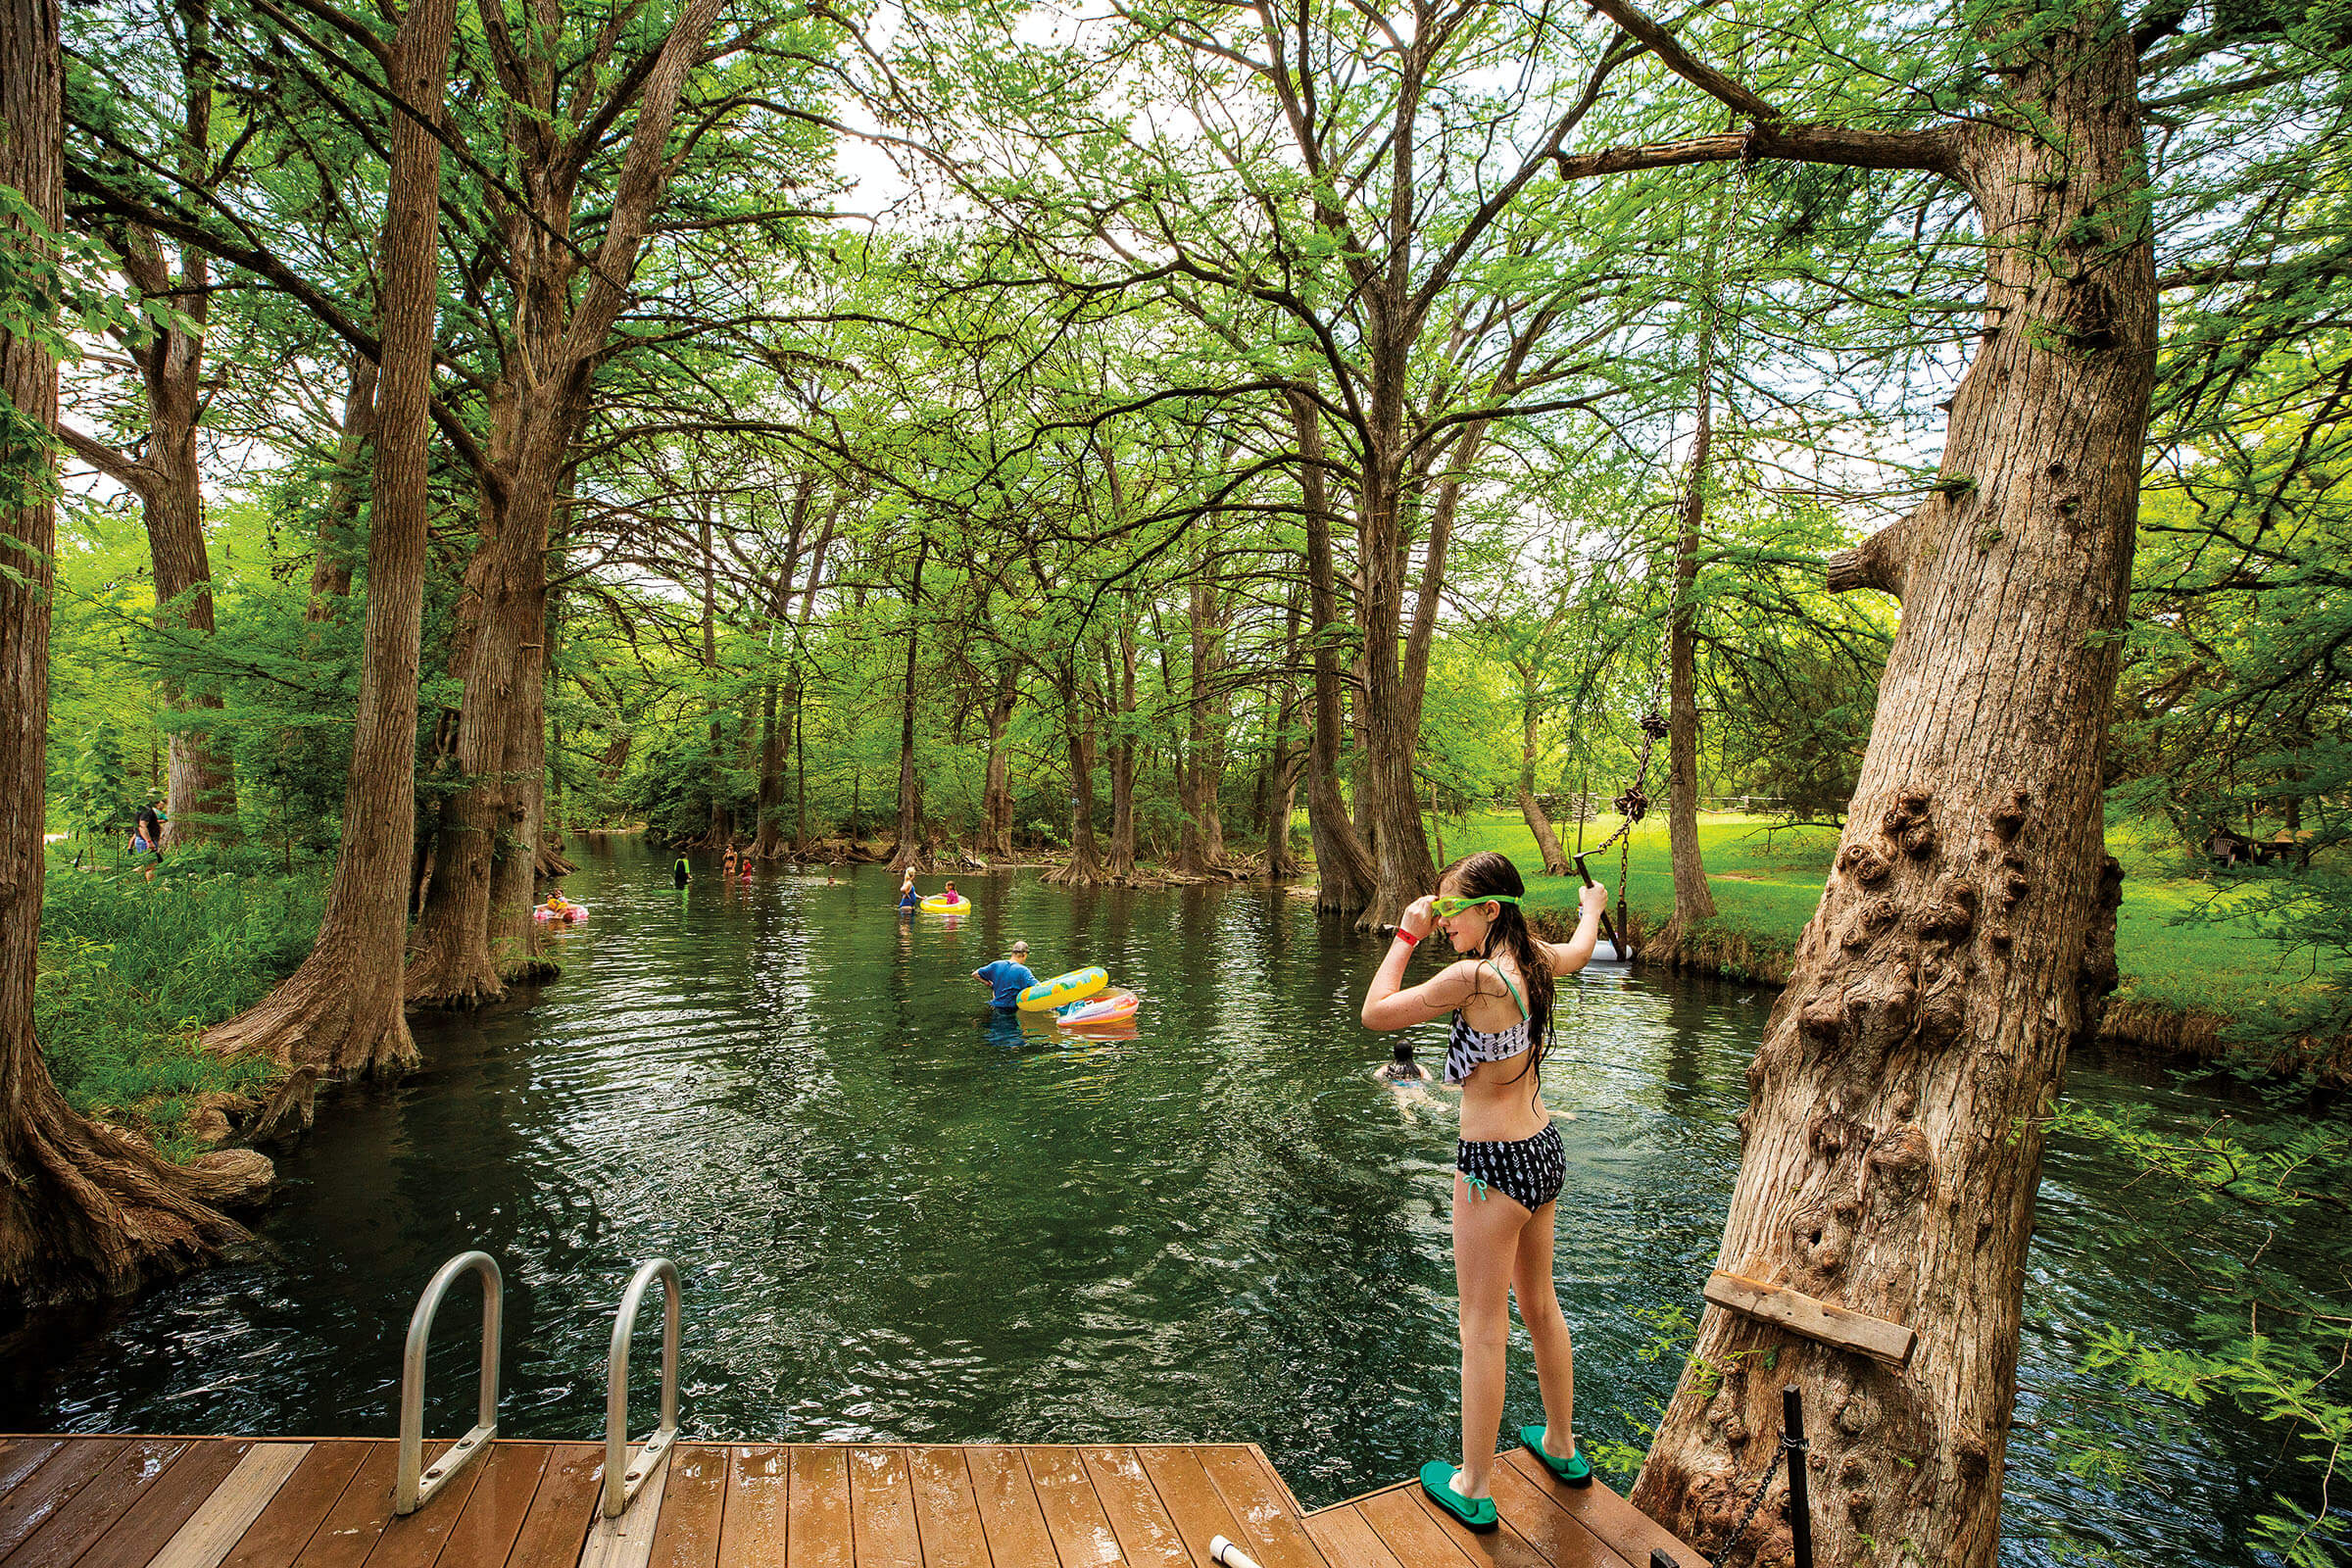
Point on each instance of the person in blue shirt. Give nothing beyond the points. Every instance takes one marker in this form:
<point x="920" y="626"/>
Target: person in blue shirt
<point x="1008" y="976"/>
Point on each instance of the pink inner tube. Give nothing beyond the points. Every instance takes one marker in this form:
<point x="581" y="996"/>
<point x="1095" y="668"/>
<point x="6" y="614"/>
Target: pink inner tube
<point x="571" y="912"/>
<point x="1117" y="1007"/>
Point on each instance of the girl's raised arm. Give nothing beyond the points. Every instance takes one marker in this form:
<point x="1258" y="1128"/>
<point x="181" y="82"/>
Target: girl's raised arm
<point x="1388" y="1004"/>
<point x="1574" y="953"/>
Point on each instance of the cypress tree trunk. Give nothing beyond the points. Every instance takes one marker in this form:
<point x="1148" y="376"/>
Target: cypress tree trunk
<point x="84" y="1210"/>
<point x="1892" y="1141"/>
<point x="1119" y="865"/>
<point x="910" y="847"/>
<point x="340" y="1013"/>
<point x="771" y="775"/>
<point x="1692" y="899"/>
<point x="330" y="566"/>
<point x="1547" y="842"/>
<point x="995" y="831"/>
<point x="1343" y="870"/>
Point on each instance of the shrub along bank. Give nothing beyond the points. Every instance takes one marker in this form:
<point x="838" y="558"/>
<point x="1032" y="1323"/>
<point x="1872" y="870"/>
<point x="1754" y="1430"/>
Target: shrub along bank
<point x="131" y="970"/>
<point x="2185" y="986"/>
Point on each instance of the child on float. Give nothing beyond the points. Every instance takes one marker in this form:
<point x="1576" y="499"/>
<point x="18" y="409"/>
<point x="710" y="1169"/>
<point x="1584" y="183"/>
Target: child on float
<point x="1509" y="1163"/>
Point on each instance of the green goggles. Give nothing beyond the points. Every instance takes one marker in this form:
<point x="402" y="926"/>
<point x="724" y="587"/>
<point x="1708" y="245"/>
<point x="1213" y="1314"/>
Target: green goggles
<point x="1450" y="906"/>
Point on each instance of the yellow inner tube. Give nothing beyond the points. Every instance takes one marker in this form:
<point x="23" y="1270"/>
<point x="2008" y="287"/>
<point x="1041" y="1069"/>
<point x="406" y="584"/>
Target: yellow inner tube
<point x="939" y="906"/>
<point x="1062" y="988"/>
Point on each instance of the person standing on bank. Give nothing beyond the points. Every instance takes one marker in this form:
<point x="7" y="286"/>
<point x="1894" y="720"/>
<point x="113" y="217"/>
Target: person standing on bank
<point x="1009" y="977"/>
<point x="1509" y="1164"/>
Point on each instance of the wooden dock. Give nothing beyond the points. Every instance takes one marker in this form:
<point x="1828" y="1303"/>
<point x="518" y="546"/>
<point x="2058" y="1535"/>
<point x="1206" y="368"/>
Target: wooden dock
<point x="239" y="1503"/>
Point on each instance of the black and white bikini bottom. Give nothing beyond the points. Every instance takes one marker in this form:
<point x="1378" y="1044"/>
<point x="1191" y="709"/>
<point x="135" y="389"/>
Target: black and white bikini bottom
<point x="1530" y="1171"/>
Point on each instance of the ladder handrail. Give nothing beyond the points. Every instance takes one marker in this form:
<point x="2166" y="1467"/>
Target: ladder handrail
<point x="413" y="1491"/>
<point x="623" y="1481"/>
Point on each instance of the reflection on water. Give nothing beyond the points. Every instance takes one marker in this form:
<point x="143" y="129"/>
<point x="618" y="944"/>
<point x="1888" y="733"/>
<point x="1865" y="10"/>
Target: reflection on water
<point x="902" y="1215"/>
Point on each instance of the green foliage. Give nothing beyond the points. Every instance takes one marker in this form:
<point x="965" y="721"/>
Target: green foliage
<point x="2225" y="1202"/>
<point x="131" y="969"/>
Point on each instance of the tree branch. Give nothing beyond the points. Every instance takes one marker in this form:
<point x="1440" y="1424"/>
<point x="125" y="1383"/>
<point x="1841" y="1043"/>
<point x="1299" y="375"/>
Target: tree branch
<point x="1645" y="28"/>
<point x="1932" y="151"/>
<point x="1880" y="562"/>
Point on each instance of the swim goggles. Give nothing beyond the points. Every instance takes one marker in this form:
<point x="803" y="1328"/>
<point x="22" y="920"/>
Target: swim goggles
<point x="1450" y="906"/>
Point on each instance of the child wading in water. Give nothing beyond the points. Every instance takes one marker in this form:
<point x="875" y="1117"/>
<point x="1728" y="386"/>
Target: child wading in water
<point x="1509" y="1165"/>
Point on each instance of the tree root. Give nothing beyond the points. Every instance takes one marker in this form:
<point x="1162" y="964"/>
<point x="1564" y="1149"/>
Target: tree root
<point x="325" y="1017"/>
<point x="87" y="1210"/>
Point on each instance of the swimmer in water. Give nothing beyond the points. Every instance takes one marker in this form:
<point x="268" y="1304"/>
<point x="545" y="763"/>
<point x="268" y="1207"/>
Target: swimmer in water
<point x="681" y="874"/>
<point x="907" y="898"/>
<point x="1401" y="1068"/>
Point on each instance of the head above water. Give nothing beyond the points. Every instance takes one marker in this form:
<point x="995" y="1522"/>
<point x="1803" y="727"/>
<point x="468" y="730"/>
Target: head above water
<point x="1496" y="929"/>
<point x="1021" y="950"/>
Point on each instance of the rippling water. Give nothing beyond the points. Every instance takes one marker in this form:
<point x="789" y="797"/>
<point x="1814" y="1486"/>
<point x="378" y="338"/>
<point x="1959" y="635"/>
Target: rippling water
<point x="902" y="1216"/>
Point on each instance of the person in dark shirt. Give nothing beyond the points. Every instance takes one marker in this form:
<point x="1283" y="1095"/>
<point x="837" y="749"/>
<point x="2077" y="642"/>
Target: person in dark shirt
<point x="147" y="832"/>
<point x="1009" y="977"/>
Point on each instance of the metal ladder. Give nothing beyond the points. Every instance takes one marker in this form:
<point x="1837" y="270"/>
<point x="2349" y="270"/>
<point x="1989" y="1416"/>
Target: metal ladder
<point x="416" y="1485"/>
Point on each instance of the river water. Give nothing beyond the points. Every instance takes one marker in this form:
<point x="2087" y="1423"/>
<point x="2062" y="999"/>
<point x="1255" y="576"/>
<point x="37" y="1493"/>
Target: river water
<point x="900" y="1216"/>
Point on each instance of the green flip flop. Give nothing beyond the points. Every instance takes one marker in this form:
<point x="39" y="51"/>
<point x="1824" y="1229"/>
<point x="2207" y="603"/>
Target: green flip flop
<point x="1573" y="1469"/>
<point x="1436" y="1479"/>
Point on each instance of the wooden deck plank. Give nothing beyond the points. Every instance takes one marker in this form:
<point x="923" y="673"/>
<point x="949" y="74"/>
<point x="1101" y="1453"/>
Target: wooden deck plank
<point x="1622" y="1528"/>
<point x="1563" y="1539"/>
<point x="148" y="1525"/>
<point x="1271" y="1529"/>
<point x="298" y="1509"/>
<point x="1074" y="1518"/>
<point x="485" y="1533"/>
<point x="1015" y="1526"/>
<point x="882" y="1528"/>
<point x="1411" y="1534"/>
<point x="556" y="1528"/>
<point x="754" y="1531"/>
<point x="20" y="1457"/>
<point x="216" y="1524"/>
<point x="33" y="1501"/>
<point x="354" y="1524"/>
<point x="946" y="1515"/>
<point x="1148" y="1536"/>
<point x="1191" y="1499"/>
<point x="415" y="1541"/>
<point x="68" y="1533"/>
<point x="687" y="1534"/>
<point x="1503" y="1547"/>
<point x="627" y="1541"/>
<point x="818" y="1509"/>
<point x="1345" y="1536"/>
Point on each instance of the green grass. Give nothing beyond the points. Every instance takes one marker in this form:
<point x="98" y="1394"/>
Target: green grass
<point x="1767" y="886"/>
<point x="130" y="971"/>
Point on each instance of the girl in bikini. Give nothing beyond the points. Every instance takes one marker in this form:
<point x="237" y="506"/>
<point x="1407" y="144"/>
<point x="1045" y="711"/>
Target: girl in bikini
<point x="1509" y="1165"/>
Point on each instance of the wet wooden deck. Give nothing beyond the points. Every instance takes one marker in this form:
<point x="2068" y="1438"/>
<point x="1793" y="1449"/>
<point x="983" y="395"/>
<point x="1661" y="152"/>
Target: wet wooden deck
<point x="238" y="1503"/>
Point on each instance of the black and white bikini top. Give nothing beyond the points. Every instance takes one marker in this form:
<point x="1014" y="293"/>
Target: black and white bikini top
<point x="1466" y="1047"/>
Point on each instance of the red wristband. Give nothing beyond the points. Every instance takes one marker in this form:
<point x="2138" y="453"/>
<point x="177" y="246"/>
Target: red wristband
<point x="1406" y="937"/>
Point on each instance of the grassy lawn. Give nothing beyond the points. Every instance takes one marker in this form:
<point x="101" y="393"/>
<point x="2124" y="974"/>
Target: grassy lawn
<point x="1767" y="885"/>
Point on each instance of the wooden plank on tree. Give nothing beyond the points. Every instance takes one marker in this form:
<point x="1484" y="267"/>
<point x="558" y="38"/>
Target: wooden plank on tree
<point x="131" y="1469"/>
<point x="628" y="1540"/>
<point x="298" y="1507"/>
<point x="1075" y="1516"/>
<point x="882" y="1528"/>
<point x="33" y="1501"/>
<point x="1272" y="1526"/>
<point x="754" y="1531"/>
<point x="688" y="1536"/>
<point x="1017" y="1536"/>
<point x="945" y="1513"/>
<point x="221" y="1520"/>
<point x="818" y="1508"/>
<point x="1825" y="1321"/>
<point x="1622" y="1528"/>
